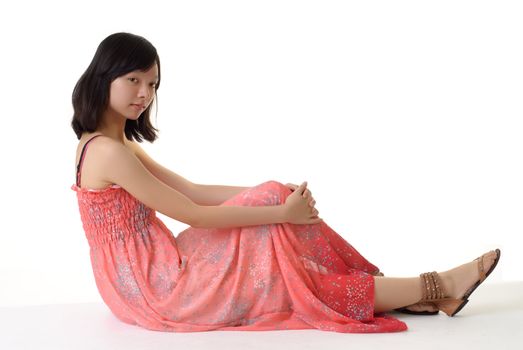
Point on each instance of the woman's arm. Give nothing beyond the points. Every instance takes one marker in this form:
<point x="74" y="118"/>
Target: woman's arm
<point x="215" y="194"/>
<point x="122" y="167"/>
<point x="239" y="216"/>
<point x="199" y="194"/>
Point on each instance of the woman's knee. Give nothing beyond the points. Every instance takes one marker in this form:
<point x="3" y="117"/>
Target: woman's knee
<point x="278" y="192"/>
<point x="267" y="193"/>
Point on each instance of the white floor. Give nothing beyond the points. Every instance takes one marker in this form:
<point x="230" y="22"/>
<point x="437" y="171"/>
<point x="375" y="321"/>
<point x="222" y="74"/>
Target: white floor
<point x="493" y="319"/>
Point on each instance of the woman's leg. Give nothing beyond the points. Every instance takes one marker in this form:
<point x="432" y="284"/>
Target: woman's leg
<point x="394" y="292"/>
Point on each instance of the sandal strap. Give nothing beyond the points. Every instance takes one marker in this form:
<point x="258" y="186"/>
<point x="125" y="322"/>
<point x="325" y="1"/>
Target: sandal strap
<point x="432" y="287"/>
<point x="482" y="274"/>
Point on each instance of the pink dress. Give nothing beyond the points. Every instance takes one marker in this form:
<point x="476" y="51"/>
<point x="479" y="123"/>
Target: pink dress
<point x="255" y="278"/>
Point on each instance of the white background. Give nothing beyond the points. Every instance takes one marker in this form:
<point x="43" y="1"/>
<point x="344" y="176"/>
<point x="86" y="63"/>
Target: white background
<point x="404" y="117"/>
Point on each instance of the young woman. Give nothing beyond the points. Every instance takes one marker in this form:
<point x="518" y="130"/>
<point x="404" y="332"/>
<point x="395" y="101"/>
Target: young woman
<point x="253" y="258"/>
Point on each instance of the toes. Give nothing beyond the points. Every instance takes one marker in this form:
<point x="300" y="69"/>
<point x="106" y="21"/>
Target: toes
<point x="485" y="264"/>
<point x="489" y="261"/>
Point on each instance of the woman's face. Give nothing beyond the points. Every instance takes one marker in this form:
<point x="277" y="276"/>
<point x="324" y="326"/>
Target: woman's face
<point x="132" y="93"/>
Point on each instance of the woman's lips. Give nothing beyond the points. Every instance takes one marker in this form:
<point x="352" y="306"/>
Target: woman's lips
<point x="137" y="106"/>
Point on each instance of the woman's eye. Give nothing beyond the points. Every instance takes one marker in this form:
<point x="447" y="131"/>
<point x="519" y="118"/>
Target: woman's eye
<point x="132" y="79"/>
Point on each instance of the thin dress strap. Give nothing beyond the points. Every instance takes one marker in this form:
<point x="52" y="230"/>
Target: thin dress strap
<point x="79" y="166"/>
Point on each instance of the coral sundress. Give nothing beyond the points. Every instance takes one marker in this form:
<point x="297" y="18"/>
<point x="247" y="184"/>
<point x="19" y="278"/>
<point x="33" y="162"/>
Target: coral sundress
<point x="255" y="278"/>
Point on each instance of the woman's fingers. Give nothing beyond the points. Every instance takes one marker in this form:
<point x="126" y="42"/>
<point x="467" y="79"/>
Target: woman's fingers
<point x="307" y="193"/>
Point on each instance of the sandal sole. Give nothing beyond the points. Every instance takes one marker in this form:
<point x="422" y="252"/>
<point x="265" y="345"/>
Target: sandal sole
<point x="424" y="313"/>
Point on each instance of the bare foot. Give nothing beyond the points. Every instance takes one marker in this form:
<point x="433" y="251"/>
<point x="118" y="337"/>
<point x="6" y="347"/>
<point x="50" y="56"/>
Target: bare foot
<point x="459" y="280"/>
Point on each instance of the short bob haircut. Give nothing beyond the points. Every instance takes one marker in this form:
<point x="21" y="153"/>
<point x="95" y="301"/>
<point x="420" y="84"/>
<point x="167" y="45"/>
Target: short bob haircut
<point x="117" y="55"/>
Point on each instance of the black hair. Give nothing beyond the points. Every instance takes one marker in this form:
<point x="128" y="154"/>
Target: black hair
<point x="117" y="55"/>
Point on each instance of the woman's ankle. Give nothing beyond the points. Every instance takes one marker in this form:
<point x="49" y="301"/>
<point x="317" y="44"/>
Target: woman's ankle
<point x="448" y="280"/>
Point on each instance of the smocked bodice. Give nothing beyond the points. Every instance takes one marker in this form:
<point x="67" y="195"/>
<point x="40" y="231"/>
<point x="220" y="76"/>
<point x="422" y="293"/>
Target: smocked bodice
<point x="111" y="213"/>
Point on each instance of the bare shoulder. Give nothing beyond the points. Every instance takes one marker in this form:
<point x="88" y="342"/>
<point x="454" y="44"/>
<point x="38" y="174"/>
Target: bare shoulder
<point x="108" y="150"/>
<point x="97" y="159"/>
<point x="98" y="146"/>
<point x="135" y="148"/>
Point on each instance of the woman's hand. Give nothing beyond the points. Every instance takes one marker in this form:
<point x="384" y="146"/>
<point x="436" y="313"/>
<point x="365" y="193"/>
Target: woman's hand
<point x="307" y="193"/>
<point x="298" y="209"/>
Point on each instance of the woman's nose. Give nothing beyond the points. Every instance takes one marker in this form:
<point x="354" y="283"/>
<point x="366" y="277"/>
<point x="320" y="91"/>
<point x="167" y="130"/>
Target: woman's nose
<point x="145" y="92"/>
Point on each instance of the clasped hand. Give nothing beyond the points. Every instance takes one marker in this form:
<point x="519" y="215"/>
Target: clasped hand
<point x="300" y="205"/>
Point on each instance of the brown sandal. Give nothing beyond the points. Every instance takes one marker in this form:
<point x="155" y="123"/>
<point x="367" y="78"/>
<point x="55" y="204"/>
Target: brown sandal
<point x="433" y="292"/>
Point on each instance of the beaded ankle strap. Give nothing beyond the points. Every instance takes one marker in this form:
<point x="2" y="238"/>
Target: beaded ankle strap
<point x="432" y="287"/>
